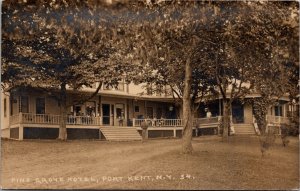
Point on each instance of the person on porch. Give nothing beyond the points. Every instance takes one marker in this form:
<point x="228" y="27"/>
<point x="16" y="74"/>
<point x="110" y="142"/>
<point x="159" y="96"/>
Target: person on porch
<point x="208" y="113"/>
<point x="121" y="119"/>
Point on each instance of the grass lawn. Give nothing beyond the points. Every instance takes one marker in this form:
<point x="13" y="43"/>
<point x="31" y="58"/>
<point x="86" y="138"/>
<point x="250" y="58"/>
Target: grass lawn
<point x="154" y="164"/>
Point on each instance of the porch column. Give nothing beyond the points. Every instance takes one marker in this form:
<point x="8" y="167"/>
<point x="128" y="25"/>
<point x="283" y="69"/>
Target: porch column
<point x="174" y="133"/>
<point x="100" y="120"/>
<point x="21" y="132"/>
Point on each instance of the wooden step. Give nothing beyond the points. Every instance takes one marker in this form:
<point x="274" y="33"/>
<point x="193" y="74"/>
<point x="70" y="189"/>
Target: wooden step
<point x="120" y="133"/>
<point x="244" y="129"/>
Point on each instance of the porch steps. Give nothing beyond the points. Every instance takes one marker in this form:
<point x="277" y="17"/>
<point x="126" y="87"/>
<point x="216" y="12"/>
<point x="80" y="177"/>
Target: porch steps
<point x="244" y="129"/>
<point x="120" y="133"/>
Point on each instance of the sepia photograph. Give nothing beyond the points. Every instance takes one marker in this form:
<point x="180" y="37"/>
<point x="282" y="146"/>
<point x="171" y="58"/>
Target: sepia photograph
<point x="149" y="95"/>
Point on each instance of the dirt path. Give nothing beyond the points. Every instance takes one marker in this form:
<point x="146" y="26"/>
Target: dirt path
<point x="153" y="164"/>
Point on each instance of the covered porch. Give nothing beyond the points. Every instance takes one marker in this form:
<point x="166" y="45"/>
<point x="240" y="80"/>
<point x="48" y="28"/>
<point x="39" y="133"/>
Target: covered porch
<point x="90" y="121"/>
<point x="85" y="124"/>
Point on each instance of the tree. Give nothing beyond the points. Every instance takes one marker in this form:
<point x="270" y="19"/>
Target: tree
<point x="57" y="46"/>
<point x="277" y="74"/>
<point x="229" y="54"/>
<point x="170" y="45"/>
<point x="250" y="39"/>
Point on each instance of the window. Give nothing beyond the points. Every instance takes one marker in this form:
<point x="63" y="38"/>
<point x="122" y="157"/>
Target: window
<point x="5" y="107"/>
<point x="11" y="105"/>
<point x="168" y="91"/>
<point x="77" y="110"/>
<point x="90" y="108"/>
<point x="40" y="105"/>
<point x="278" y="110"/>
<point x="136" y="108"/>
<point x="159" y="90"/>
<point x="121" y="85"/>
<point x="107" y="87"/>
<point x="23" y="104"/>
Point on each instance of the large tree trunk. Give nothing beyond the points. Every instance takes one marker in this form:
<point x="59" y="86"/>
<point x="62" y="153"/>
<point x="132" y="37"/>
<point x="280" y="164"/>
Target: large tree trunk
<point x="226" y="119"/>
<point x="266" y="138"/>
<point x="63" y="113"/>
<point x="187" y="114"/>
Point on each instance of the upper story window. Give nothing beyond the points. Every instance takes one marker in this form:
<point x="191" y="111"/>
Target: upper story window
<point x="119" y="87"/>
<point x="159" y="90"/>
<point x="168" y="91"/>
<point x="107" y="87"/>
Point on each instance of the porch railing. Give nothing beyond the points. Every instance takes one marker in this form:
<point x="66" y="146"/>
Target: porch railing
<point x="83" y="120"/>
<point x="14" y="119"/>
<point x="29" y="118"/>
<point x="39" y="118"/>
<point x="277" y="119"/>
<point x="174" y="122"/>
<point x="207" y="120"/>
<point x="158" y="122"/>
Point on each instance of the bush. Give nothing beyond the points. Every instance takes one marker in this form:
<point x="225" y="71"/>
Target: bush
<point x="293" y="129"/>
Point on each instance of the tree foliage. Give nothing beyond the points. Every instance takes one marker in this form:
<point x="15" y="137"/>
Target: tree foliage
<point x="228" y="45"/>
<point x="60" y="45"/>
<point x="198" y="48"/>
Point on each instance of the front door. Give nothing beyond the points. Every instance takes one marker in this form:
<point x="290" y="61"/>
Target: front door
<point x="120" y="114"/>
<point x="237" y="113"/>
<point x="106" y="114"/>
